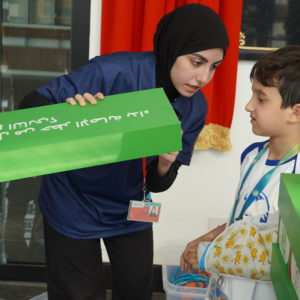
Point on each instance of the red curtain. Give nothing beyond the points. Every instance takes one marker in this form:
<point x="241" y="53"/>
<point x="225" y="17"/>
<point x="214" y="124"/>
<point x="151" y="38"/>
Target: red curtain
<point x="129" y="25"/>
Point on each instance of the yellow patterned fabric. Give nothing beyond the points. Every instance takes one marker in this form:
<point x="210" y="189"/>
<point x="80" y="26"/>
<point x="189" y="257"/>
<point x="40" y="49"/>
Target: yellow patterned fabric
<point x="214" y="136"/>
<point x="242" y="250"/>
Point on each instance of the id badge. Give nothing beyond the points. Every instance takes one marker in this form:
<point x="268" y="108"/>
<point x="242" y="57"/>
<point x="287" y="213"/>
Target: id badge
<point x="143" y="211"/>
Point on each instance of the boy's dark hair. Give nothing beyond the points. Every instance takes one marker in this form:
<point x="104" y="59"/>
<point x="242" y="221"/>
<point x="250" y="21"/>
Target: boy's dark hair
<point x="281" y="69"/>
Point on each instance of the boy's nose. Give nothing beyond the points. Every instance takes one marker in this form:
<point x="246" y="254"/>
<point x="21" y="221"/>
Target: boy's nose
<point x="249" y="106"/>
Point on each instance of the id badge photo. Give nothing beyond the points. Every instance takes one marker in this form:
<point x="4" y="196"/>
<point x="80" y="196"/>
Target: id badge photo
<point x="143" y="211"/>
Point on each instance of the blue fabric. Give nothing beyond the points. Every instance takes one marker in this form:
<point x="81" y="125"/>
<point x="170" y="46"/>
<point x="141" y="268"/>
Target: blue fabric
<point x="258" y="145"/>
<point x="202" y="259"/>
<point x="93" y="202"/>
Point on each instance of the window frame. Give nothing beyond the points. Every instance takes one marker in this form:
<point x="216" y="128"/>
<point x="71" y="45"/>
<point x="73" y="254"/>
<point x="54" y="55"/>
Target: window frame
<point x="79" y="55"/>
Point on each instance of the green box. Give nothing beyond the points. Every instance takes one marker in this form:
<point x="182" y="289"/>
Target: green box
<point x="62" y="137"/>
<point x="289" y="208"/>
<point x="280" y="278"/>
<point x="283" y="242"/>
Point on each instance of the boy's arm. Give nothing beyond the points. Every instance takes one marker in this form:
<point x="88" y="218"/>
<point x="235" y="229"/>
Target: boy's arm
<point x="189" y="257"/>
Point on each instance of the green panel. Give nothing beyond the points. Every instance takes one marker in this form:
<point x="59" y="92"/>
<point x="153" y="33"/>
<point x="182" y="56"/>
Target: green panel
<point x="62" y="137"/>
<point x="289" y="207"/>
<point x="280" y="278"/>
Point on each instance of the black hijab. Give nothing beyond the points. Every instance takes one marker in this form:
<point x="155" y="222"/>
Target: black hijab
<point x="187" y="29"/>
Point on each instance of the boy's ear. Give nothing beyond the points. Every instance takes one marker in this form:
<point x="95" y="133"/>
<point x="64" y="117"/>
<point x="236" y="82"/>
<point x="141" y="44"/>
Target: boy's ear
<point x="295" y="113"/>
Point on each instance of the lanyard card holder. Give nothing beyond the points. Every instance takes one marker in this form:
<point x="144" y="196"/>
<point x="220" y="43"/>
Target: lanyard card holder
<point x="143" y="211"/>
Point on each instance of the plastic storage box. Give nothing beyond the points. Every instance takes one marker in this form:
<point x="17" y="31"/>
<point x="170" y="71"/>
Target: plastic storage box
<point x="175" y="292"/>
<point x="234" y="287"/>
<point x="171" y="259"/>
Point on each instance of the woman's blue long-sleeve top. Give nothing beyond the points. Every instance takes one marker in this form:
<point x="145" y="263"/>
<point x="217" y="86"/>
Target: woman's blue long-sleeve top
<point x="93" y="202"/>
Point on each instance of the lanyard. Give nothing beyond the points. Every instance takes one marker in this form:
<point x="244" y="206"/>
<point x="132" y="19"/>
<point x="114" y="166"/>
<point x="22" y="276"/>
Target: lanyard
<point x="262" y="182"/>
<point x="144" y="165"/>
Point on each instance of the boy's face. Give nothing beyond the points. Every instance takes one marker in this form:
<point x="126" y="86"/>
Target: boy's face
<point x="268" y="118"/>
<point x="191" y="72"/>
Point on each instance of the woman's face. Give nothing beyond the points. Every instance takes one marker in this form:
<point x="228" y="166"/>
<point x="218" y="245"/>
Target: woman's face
<point x="193" y="71"/>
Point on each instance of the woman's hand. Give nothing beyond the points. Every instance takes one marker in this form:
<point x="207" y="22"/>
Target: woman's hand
<point x="81" y="99"/>
<point x="165" y="161"/>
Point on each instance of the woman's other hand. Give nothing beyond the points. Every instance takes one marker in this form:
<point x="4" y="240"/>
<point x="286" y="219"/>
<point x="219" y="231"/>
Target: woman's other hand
<point x="165" y="161"/>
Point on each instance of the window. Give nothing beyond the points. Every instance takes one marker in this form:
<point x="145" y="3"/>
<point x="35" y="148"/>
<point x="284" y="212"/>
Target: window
<point x="268" y="24"/>
<point x="40" y="40"/>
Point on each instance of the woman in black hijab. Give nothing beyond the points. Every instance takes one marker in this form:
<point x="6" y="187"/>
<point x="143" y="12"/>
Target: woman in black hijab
<point x="182" y="34"/>
<point x="80" y="207"/>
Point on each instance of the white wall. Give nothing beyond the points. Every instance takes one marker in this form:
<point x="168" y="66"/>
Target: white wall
<point x="207" y="187"/>
<point x="95" y="27"/>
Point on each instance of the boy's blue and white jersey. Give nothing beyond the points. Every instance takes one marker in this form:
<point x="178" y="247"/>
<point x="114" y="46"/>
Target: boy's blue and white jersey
<point x="263" y="212"/>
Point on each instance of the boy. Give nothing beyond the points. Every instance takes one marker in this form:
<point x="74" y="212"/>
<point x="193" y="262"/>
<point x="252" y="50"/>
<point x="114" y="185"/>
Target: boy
<point x="242" y="247"/>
